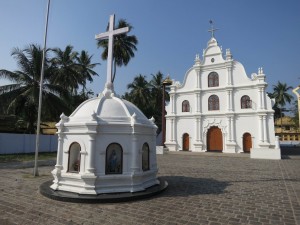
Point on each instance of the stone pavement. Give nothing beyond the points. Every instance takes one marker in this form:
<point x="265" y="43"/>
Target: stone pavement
<point x="205" y="188"/>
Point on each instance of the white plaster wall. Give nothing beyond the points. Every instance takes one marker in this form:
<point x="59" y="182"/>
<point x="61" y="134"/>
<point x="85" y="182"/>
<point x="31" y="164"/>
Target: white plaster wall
<point x="246" y="124"/>
<point x="185" y="125"/>
<point x="189" y="81"/>
<point x="239" y="75"/>
<point x="239" y="93"/>
<point x="180" y="98"/>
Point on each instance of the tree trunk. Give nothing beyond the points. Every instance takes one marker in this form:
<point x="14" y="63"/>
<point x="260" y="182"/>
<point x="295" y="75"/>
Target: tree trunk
<point x="115" y="69"/>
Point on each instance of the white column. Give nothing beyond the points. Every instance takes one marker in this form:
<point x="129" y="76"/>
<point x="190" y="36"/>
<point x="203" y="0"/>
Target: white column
<point x="172" y="103"/>
<point x="233" y="125"/>
<point x="265" y="129"/>
<point x="59" y="151"/>
<point x="261" y="129"/>
<point x="91" y="153"/>
<point x="229" y="71"/>
<point x="198" y="78"/>
<point x="197" y="130"/>
<point x="200" y="129"/>
<point x="135" y="154"/>
<point x="228" y="100"/>
<point x="263" y="98"/>
<point x="260" y="98"/>
<point x="229" y="129"/>
<point x="172" y="129"/>
<point x="198" y="102"/>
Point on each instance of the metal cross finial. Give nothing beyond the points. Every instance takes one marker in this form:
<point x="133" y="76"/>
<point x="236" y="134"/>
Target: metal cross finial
<point x="110" y="36"/>
<point x="212" y="30"/>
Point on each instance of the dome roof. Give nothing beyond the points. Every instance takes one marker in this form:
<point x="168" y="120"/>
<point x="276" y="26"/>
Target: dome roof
<point x="109" y="108"/>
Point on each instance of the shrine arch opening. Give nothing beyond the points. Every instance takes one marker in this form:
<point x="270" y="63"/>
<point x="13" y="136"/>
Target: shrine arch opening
<point x="74" y="158"/>
<point x="214" y="139"/>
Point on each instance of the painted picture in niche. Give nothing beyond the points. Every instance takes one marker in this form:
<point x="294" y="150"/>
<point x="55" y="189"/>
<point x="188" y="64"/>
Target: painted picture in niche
<point x="114" y="159"/>
<point x="145" y="157"/>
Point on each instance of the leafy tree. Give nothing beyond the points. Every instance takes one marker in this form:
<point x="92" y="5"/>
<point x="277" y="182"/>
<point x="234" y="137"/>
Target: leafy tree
<point x="24" y="93"/>
<point x="147" y="96"/>
<point x="139" y="93"/>
<point x="281" y="95"/>
<point x="156" y="85"/>
<point x="85" y="67"/>
<point x="124" y="47"/>
<point x="66" y="70"/>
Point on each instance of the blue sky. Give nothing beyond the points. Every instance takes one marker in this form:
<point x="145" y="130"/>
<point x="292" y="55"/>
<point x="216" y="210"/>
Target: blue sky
<point x="170" y="33"/>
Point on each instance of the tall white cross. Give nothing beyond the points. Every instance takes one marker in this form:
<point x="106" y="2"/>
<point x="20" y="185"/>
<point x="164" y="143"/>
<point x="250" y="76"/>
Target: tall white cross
<point x="110" y="36"/>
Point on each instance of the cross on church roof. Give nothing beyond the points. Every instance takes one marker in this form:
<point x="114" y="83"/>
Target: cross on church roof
<point x="110" y="36"/>
<point x="212" y="30"/>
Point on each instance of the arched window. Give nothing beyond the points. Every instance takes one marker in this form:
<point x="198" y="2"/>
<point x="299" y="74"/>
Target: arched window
<point x="74" y="158"/>
<point x="185" y="106"/>
<point x="114" y="159"/>
<point x="145" y="157"/>
<point x="213" y="79"/>
<point x="246" y="102"/>
<point x="213" y="103"/>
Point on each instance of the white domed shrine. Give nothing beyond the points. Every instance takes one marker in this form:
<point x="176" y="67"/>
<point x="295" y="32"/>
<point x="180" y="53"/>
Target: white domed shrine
<point x="106" y="145"/>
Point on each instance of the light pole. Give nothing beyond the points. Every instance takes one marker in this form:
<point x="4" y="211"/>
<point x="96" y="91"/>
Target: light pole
<point x="165" y="83"/>
<point x="37" y="142"/>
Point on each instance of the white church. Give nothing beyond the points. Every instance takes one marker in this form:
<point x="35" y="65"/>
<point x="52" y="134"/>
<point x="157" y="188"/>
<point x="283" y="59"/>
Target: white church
<point x="219" y="108"/>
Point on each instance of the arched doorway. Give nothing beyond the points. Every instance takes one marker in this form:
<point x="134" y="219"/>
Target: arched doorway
<point x="247" y="142"/>
<point x="214" y="139"/>
<point x="185" y="142"/>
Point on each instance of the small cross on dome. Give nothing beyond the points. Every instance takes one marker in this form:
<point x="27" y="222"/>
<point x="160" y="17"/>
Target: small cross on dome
<point x="212" y="29"/>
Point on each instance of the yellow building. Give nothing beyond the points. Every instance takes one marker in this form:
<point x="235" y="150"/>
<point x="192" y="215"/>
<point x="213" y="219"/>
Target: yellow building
<point x="48" y="128"/>
<point x="289" y="131"/>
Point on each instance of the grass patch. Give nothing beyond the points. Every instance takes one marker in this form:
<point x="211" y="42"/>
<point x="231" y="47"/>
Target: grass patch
<point x="30" y="176"/>
<point x="26" y="157"/>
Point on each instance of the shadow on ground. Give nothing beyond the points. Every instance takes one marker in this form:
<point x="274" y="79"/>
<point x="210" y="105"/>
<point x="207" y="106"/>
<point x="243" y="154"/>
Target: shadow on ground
<point x="290" y="152"/>
<point x="189" y="186"/>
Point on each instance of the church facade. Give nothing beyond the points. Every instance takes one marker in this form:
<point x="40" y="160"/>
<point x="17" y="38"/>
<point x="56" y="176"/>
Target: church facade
<point x="219" y="108"/>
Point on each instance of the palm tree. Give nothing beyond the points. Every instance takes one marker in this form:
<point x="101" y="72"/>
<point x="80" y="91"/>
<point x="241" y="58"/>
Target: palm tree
<point x="281" y="95"/>
<point x="85" y="67"/>
<point x="66" y="73"/>
<point x="156" y="85"/>
<point x="23" y="95"/>
<point x="140" y="94"/>
<point x="124" y="47"/>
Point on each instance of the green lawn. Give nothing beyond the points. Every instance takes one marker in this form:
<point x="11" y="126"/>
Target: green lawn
<point x="26" y="157"/>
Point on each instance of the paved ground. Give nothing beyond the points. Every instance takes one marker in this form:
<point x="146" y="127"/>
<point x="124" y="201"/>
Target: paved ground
<point x="203" y="189"/>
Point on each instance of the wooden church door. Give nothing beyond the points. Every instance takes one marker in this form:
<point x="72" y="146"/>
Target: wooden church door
<point x="185" y="142"/>
<point x="214" y="139"/>
<point x="247" y="142"/>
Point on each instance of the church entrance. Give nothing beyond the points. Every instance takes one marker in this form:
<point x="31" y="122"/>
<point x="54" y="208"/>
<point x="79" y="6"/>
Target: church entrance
<point x="247" y="142"/>
<point x="214" y="139"/>
<point x="185" y="142"/>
